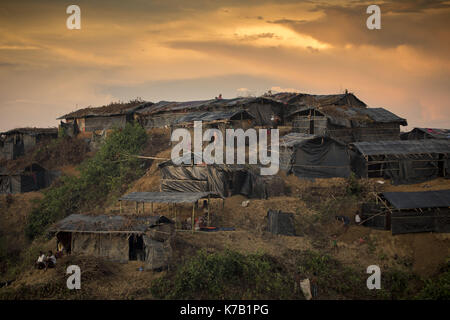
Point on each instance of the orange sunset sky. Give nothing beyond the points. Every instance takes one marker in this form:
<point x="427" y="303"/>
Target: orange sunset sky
<point x="196" y="49"/>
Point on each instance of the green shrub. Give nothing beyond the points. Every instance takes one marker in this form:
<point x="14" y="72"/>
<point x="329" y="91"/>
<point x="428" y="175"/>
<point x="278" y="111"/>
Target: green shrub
<point x="109" y="171"/>
<point x="225" y="275"/>
<point x="353" y="186"/>
<point x="437" y="288"/>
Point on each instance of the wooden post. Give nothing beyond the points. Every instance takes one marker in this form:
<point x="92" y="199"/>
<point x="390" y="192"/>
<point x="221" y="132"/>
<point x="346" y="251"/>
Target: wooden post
<point x="152" y="207"/>
<point x="209" y="197"/>
<point x="193" y="217"/>
<point x="136" y="207"/>
<point x="120" y="203"/>
<point x="143" y="208"/>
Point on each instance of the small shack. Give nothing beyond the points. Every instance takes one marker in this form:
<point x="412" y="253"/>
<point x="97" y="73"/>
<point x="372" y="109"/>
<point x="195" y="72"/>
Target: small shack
<point x="348" y="124"/>
<point x="23" y="177"/>
<point x="225" y="180"/>
<point x="17" y="142"/>
<point x="114" y="115"/>
<point x="117" y="238"/>
<point x="409" y="212"/>
<point x="403" y="162"/>
<point x="310" y="156"/>
<point x="425" y="133"/>
<point x="340" y="116"/>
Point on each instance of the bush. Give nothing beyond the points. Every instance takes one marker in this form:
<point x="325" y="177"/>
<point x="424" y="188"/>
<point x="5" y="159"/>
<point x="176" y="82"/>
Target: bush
<point x="109" y="171"/>
<point x="225" y="275"/>
<point x="437" y="288"/>
<point x="353" y="186"/>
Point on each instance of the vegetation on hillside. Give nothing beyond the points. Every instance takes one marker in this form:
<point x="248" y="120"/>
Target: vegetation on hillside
<point x="105" y="174"/>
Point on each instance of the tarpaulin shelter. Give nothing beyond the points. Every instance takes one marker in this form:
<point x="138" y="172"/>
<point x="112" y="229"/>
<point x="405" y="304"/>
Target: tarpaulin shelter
<point x="310" y="156"/>
<point x="117" y="238"/>
<point x="279" y="222"/>
<point x="408" y="161"/>
<point x="225" y="180"/>
<point x="24" y="177"/>
<point x="264" y="110"/>
<point x="425" y="133"/>
<point x="410" y="212"/>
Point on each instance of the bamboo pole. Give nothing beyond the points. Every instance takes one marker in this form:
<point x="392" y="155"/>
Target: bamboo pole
<point x="209" y="197"/>
<point x="193" y="217"/>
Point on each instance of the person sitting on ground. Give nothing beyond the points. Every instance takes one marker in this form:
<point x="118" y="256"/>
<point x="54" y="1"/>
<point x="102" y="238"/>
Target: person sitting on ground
<point x="40" y="263"/>
<point x="51" y="260"/>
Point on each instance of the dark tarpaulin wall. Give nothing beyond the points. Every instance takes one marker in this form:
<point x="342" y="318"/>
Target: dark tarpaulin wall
<point x="321" y="157"/>
<point x="280" y="223"/>
<point x="224" y="180"/>
<point x="439" y="222"/>
<point x="419" y="199"/>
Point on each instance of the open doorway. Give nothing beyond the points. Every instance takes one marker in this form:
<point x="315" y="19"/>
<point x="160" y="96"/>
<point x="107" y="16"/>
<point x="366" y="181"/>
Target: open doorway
<point x="136" y="248"/>
<point x="64" y="242"/>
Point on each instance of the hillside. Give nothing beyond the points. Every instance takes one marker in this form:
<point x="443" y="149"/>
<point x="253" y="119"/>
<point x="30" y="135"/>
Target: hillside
<point x="407" y="260"/>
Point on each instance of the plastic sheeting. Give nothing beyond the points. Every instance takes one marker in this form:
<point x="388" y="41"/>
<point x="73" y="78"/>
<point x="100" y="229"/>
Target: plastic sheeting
<point x="317" y="157"/>
<point x="223" y="180"/>
<point x="415" y="200"/>
<point x="280" y="223"/>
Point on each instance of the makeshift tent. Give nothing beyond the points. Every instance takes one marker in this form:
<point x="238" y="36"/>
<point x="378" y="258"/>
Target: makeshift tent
<point x="425" y="133"/>
<point x="264" y="110"/>
<point x="310" y="156"/>
<point x="279" y="222"/>
<point x="410" y="212"/>
<point x="225" y="180"/>
<point x="117" y="238"/>
<point x="402" y="161"/>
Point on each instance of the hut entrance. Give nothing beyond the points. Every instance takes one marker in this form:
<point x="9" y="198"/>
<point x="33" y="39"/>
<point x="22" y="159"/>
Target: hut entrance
<point x="64" y="242"/>
<point x="136" y="248"/>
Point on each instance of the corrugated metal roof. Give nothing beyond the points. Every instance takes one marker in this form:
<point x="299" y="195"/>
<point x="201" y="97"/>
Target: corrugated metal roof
<point x="87" y="223"/>
<point x="167" y="197"/>
<point x="402" y="147"/>
<point x="415" y="200"/>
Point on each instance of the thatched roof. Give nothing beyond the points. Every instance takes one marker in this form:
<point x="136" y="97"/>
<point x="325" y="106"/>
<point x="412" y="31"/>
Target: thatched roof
<point x="112" y="109"/>
<point x="103" y="223"/>
<point x="304" y="99"/>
